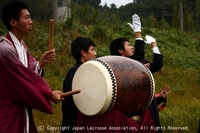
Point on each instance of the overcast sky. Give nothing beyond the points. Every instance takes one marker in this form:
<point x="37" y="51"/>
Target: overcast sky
<point x="118" y="3"/>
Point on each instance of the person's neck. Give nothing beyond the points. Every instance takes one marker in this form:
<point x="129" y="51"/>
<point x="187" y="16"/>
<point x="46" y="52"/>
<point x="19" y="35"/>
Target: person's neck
<point x="17" y="35"/>
<point x="82" y="60"/>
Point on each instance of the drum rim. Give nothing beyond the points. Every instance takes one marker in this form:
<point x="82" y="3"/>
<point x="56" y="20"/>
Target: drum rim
<point x="152" y="87"/>
<point x="114" y="84"/>
<point x="109" y="102"/>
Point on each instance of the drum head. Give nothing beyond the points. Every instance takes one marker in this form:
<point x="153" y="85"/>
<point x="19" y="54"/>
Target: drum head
<point x="113" y="83"/>
<point x="98" y="88"/>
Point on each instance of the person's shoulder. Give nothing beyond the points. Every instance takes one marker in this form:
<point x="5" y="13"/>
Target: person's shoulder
<point x="5" y="44"/>
<point x="74" y="68"/>
<point x="4" y="40"/>
<point x="77" y="65"/>
<point x="1" y="38"/>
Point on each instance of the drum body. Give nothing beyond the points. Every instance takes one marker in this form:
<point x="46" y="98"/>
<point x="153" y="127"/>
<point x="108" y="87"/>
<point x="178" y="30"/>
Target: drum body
<point x="113" y="83"/>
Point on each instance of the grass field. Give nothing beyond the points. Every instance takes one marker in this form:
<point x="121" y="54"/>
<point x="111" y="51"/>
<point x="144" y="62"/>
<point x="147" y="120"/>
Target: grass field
<point x="181" y="70"/>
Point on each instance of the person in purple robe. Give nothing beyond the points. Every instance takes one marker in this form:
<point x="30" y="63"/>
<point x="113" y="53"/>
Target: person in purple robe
<point x="21" y="85"/>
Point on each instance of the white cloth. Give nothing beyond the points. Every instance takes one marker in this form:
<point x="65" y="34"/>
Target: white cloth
<point x="23" y="58"/>
<point x="20" y="49"/>
<point x="37" y="68"/>
<point x="156" y="50"/>
<point x="22" y="53"/>
<point x="139" y="39"/>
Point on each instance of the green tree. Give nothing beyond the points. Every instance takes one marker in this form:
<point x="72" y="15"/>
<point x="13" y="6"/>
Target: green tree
<point x="94" y="3"/>
<point x="176" y="18"/>
<point x="197" y="15"/>
<point x="40" y="10"/>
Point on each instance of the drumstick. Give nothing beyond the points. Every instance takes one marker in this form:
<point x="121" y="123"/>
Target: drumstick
<point x="66" y="94"/>
<point x="51" y="34"/>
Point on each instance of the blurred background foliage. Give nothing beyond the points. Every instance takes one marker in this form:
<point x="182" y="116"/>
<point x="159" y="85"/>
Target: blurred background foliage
<point x="154" y="13"/>
<point x="181" y="70"/>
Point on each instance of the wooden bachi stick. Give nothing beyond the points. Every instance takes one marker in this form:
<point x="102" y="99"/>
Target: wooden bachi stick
<point x="51" y="34"/>
<point x="66" y="94"/>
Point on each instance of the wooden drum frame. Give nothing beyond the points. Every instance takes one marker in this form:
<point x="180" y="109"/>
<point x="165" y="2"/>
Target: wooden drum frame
<point x="113" y="83"/>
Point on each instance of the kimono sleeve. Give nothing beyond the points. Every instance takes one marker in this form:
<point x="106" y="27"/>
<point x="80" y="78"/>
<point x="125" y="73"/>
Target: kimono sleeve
<point x="139" y="50"/>
<point x="22" y="85"/>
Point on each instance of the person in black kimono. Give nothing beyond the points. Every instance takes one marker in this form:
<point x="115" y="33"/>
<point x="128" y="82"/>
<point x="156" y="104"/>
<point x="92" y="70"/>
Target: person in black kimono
<point x="122" y="47"/>
<point x="82" y="49"/>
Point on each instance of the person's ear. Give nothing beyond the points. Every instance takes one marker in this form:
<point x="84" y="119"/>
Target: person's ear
<point x="83" y="53"/>
<point x="13" y="22"/>
<point x="121" y="51"/>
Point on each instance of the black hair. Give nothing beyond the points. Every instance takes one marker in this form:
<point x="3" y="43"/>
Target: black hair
<point x="12" y="11"/>
<point x="80" y="43"/>
<point x="116" y="45"/>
